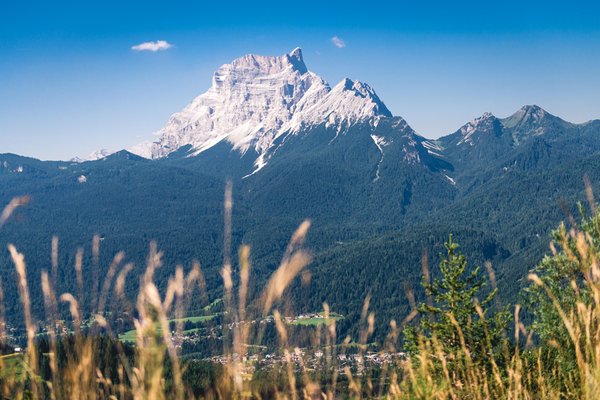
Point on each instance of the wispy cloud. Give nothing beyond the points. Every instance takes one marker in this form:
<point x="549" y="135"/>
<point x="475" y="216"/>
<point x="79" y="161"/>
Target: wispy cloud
<point x="158" y="45"/>
<point x="338" y="42"/>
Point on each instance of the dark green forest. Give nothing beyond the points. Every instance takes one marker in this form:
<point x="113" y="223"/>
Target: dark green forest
<point x="511" y="186"/>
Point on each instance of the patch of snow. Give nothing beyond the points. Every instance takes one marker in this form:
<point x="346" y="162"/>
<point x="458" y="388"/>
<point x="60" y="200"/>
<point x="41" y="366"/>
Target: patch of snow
<point x="400" y="123"/>
<point x="434" y="153"/>
<point x="431" y="145"/>
<point x="411" y="155"/>
<point x="451" y="180"/>
<point x="380" y="142"/>
<point x="95" y="156"/>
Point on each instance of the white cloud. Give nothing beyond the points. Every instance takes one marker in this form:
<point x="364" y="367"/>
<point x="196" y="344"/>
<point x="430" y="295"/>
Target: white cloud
<point x="158" y="45"/>
<point x="338" y="42"/>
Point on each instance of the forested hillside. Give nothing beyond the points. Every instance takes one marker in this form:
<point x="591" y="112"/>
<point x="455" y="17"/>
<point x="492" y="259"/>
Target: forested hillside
<point x="499" y="188"/>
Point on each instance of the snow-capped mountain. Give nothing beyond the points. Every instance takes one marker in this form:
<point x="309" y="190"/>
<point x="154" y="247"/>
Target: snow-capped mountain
<point x="256" y="99"/>
<point x="96" y="155"/>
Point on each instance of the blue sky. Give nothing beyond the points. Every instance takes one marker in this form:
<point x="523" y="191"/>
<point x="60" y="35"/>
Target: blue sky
<point x="70" y="82"/>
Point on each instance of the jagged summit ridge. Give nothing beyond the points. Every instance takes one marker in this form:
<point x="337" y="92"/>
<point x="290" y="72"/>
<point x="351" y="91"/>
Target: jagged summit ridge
<point x="255" y="99"/>
<point x="526" y="122"/>
<point x="482" y="123"/>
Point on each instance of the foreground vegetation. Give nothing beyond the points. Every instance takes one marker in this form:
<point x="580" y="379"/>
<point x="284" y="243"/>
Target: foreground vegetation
<point x="458" y="342"/>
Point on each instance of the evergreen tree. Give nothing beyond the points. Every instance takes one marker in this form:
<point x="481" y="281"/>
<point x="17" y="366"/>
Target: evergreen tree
<point x="567" y="281"/>
<point x="451" y="320"/>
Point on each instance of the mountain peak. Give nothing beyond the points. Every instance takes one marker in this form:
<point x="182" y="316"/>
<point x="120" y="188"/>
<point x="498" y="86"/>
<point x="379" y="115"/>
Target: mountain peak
<point x="532" y="120"/>
<point x="364" y="94"/>
<point x="296" y="53"/>
<point x="361" y="89"/>
<point x="123" y="155"/>
<point x="96" y="155"/>
<point x="347" y="103"/>
<point x="532" y="111"/>
<point x="483" y="123"/>
<point x="255" y="99"/>
<point x="254" y="65"/>
<point x="296" y="59"/>
<point x="346" y="84"/>
<point x="532" y="108"/>
<point x="528" y="114"/>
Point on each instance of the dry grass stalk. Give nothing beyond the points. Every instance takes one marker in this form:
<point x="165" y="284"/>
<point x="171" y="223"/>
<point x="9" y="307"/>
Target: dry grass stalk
<point x="292" y="264"/>
<point x="51" y="308"/>
<point x="32" y="364"/>
<point x="12" y="206"/>
<point x="2" y="313"/>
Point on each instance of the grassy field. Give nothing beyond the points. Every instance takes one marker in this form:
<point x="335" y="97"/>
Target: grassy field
<point x="130" y="336"/>
<point x="213" y="304"/>
<point x="11" y="365"/>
